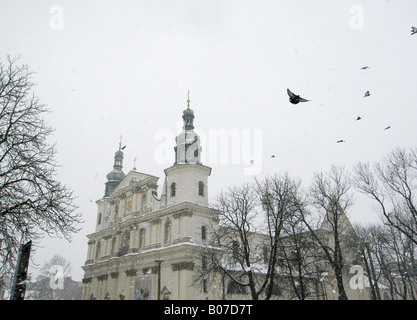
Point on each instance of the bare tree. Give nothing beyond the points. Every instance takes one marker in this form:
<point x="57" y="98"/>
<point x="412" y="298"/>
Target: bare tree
<point x="392" y="184"/>
<point x="394" y="253"/>
<point x="287" y="247"/>
<point x="32" y="201"/>
<point x="247" y="239"/>
<point x="366" y="239"/>
<point x="300" y="260"/>
<point x="236" y="237"/>
<point x="330" y="195"/>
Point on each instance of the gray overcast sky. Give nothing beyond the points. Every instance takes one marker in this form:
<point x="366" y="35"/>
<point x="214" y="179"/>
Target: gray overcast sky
<point x="107" y="68"/>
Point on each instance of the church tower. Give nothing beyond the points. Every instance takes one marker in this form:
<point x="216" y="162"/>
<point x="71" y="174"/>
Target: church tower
<point x="186" y="180"/>
<point x="116" y="175"/>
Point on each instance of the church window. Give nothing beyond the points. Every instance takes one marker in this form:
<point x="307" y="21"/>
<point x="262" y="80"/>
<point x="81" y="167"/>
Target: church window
<point x="201" y="188"/>
<point x="173" y="187"/>
<point x="235" y="249"/>
<point x="203" y="232"/>
<point x="99" y="218"/>
<point x="265" y="254"/>
<point x="203" y="262"/>
<point x="167" y="230"/>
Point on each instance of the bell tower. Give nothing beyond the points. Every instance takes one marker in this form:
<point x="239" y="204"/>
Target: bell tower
<point x="186" y="180"/>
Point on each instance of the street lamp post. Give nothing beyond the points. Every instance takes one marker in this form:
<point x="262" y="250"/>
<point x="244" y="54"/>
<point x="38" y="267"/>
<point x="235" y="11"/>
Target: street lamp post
<point x="158" y="262"/>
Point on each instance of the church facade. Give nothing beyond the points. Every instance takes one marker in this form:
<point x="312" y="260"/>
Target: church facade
<point x="148" y="246"/>
<point x="145" y="246"/>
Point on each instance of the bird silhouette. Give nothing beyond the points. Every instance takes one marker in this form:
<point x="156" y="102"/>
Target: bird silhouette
<point x="387" y="128"/>
<point x="364" y="68"/>
<point x="123" y="148"/>
<point x="358" y="118"/>
<point x="367" y="94"/>
<point x="339" y="141"/>
<point x="294" y="99"/>
<point x="413" y="30"/>
<point x="273" y="156"/>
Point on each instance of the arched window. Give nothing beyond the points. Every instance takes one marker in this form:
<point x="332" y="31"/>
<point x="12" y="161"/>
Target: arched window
<point x="173" y="187"/>
<point x="116" y="210"/>
<point x="167" y="230"/>
<point x="201" y="188"/>
<point x="99" y="218"/>
<point x="203" y="232"/>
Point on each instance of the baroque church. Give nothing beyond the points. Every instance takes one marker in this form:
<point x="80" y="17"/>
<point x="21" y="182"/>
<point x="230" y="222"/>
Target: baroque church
<point x="145" y="244"/>
<point x="150" y="247"/>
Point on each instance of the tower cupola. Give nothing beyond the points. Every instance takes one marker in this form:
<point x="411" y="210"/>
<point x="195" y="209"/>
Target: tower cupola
<point x="187" y="149"/>
<point x="115" y="176"/>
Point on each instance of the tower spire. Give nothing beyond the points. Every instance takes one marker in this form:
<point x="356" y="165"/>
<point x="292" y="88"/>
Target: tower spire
<point x="188" y="115"/>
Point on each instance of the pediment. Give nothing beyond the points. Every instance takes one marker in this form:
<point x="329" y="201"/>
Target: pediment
<point x="135" y="177"/>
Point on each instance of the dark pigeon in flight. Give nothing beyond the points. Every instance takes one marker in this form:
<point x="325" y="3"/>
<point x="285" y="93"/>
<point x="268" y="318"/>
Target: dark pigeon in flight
<point x="367" y="94"/>
<point x="364" y="68"/>
<point x="387" y="128"/>
<point x="413" y="30"/>
<point x="294" y="99"/>
<point x="339" y="141"/>
<point x="358" y="118"/>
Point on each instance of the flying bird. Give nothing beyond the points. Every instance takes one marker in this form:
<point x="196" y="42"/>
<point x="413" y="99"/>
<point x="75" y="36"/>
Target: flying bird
<point x="387" y="128"/>
<point x="358" y="118"/>
<point x="294" y="99"/>
<point x="123" y="148"/>
<point x="273" y="156"/>
<point x="339" y="141"/>
<point x="364" y="68"/>
<point x="413" y="30"/>
<point x="367" y="94"/>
